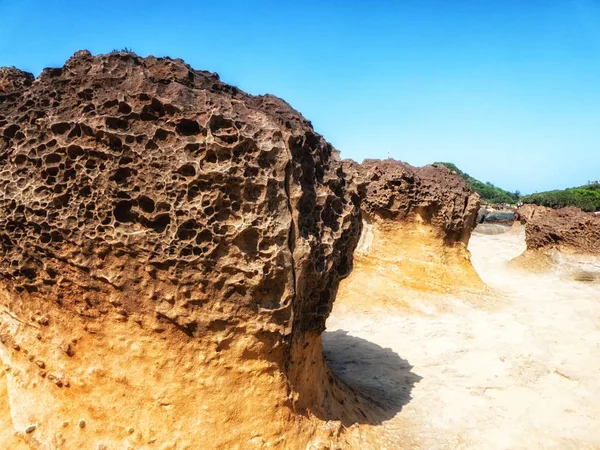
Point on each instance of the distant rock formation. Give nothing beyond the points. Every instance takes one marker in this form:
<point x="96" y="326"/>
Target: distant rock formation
<point x="566" y="228"/>
<point x="170" y="248"/>
<point x="565" y="240"/>
<point x="431" y="194"/>
<point x="503" y="217"/>
<point x="417" y="223"/>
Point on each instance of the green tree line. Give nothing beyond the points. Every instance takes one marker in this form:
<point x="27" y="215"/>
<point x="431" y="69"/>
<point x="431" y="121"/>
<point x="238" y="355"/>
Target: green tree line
<point x="585" y="197"/>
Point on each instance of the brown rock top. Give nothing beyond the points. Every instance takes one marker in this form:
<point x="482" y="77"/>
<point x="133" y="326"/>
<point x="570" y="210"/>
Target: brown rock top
<point x="569" y="228"/>
<point x="431" y="194"/>
<point x="13" y="79"/>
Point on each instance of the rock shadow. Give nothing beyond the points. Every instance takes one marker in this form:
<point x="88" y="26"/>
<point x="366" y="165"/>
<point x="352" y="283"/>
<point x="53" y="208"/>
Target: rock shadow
<point x="378" y="379"/>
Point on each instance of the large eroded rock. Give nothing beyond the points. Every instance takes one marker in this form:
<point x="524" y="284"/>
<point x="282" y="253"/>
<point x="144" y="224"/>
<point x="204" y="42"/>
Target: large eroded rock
<point x="417" y="222"/>
<point x="568" y="228"/>
<point x="565" y="240"/>
<point x="430" y="194"/>
<point x="170" y="248"/>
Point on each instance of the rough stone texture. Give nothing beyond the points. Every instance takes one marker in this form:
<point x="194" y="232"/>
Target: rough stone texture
<point x="141" y="190"/>
<point x="568" y="228"/>
<point x="118" y="169"/>
<point x="170" y="248"/>
<point x="13" y="79"/>
<point x="433" y="194"/>
<point x="524" y="213"/>
<point x="416" y="226"/>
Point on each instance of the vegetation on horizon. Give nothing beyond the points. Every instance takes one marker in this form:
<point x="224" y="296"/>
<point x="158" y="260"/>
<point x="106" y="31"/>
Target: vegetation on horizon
<point x="487" y="191"/>
<point x="587" y="198"/>
<point x="123" y="50"/>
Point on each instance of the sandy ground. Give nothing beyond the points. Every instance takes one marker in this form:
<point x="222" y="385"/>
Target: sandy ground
<point x="519" y="369"/>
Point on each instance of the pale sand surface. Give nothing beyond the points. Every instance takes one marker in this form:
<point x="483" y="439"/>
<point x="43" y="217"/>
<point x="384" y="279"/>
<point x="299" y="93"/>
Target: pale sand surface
<point x="519" y="369"/>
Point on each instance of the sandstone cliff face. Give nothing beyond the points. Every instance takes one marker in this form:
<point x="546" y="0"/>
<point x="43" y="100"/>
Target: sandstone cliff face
<point x="169" y="247"/>
<point x="416" y="225"/>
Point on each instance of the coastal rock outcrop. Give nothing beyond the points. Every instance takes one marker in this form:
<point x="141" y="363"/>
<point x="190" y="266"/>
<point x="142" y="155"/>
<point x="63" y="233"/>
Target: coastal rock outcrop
<point x="567" y="228"/>
<point x="170" y="248"/>
<point x="417" y="222"/>
<point x="524" y="213"/>
<point x="565" y="240"/>
<point x="431" y="194"/>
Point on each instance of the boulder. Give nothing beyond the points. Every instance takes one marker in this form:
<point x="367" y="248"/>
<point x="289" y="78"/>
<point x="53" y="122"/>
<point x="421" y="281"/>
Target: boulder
<point x="567" y="228"/>
<point x="431" y="194"/>
<point x="566" y="241"/>
<point x="170" y="248"/>
<point x="505" y="217"/>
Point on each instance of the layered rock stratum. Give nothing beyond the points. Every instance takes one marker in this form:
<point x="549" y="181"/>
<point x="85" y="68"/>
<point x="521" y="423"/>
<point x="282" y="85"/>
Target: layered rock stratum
<point x="170" y="249"/>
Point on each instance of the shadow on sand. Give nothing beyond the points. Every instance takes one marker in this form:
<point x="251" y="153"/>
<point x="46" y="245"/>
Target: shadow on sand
<point x="380" y="378"/>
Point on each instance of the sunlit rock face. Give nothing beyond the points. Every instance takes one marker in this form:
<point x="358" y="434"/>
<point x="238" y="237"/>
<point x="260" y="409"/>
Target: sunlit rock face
<point x="417" y="222"/>
<point x="170" y="248"/>
<point x="431" y="194"/>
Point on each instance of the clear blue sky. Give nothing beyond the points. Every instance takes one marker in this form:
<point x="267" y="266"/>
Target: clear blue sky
<point x="508" y="90"/>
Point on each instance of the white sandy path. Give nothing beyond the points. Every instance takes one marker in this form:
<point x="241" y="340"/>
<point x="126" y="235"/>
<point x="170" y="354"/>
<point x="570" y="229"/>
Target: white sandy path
<point x="522" y="372"/>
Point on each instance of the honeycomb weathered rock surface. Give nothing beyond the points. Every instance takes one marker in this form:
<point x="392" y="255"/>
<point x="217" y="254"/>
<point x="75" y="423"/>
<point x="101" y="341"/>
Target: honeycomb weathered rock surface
<point x="140" y="194"/>
<point x="160" y="187"/>
<point x="399" y="192"/>
<point x="170" y="248"/>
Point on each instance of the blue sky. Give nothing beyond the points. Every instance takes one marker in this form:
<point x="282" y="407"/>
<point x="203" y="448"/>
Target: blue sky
<point x="507" y="90"/>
